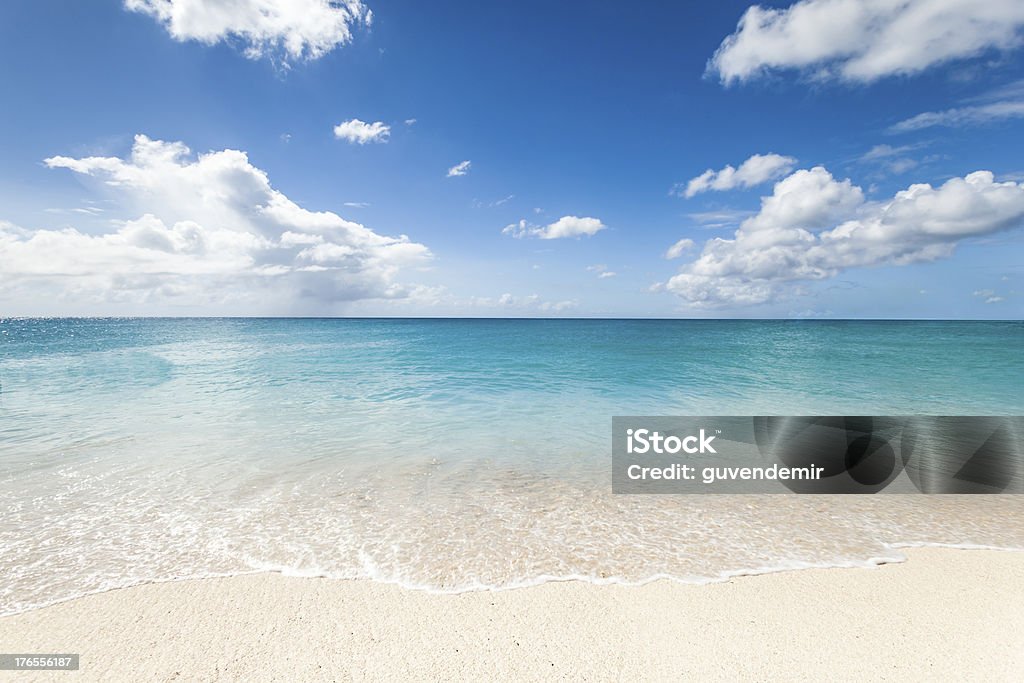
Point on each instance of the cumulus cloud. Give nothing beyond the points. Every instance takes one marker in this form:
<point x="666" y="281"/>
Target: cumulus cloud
<point x="679" y="248"/>
<point x="459" y="169"/>
<point x="813" y="227"/>
<point x="361" y="132"/>
<point x="864" y="40"/>
<point x="207" y="227"/>
<point x="289" y="30"/>
<point x="760" y="168"/>
<point x="566" y="226"/>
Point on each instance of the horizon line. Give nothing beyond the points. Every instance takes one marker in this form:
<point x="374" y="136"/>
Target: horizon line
<point x="508" y="318"/>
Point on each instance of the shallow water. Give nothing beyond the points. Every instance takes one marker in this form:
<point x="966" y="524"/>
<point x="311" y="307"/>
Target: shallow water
<point x="449" y="454"/>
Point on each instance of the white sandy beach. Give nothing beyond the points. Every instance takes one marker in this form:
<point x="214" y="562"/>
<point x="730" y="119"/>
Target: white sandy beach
<point x="943" y="615"/>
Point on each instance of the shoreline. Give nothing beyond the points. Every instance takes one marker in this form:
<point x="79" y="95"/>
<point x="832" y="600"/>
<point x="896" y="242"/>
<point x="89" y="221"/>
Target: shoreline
<point x="872" y="562"/>
<point x="942" y="613"/>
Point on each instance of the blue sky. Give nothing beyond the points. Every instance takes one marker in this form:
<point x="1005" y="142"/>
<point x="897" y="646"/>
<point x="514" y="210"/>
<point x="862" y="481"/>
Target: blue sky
<point x="584" y="125"/>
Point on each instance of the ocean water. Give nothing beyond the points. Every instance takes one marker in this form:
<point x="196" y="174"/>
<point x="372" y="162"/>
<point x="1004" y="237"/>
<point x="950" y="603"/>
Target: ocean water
<point x="450" y="455"/>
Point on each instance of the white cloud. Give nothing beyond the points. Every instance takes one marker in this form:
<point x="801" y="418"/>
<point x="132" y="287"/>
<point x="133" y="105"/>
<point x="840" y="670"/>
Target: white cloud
<point x="459" y="169"/>
<point x="410" y="122"/>
<point x="879" y="152"/>
<point x="963" y="116"/>
<point x="601" y="270"/>
<point x="207" y="229"/>
<point x="894" y="160"/>
<point x="1000" y="104"/>
<point x="361" y="132"/>
<point x="566" y="226"/>
<point x="989" y="296"/>
<point x="677" y="249"/>
<point x="721" y="218"/>
<point x="813" y="227"/>
<point x="811" y="313"/>
<point x="478" y="204"/>
<point x="558" y="306"/>
<point x="864" y="40"/>
<point x="287" y="29"/>
<point x="525" y="304"/>
<point x="759" y="168"/>
<point x="898" y="166"/>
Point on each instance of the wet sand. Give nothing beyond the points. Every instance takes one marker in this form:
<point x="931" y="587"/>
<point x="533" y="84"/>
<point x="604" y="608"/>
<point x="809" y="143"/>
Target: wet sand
<point x="943" y="615"/>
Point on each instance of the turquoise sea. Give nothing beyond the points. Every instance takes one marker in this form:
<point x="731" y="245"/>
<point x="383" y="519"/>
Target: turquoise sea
<point x="449" y="454"/>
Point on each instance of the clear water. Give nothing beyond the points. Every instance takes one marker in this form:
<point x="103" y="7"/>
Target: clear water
<point x="449" y="454"/>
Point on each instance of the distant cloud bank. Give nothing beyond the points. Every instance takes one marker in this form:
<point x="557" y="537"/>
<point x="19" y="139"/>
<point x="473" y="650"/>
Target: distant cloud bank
<point x="207" y="229"/>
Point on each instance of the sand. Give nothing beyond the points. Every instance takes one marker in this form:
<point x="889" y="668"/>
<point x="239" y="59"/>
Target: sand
<point x="943" y="615"/>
